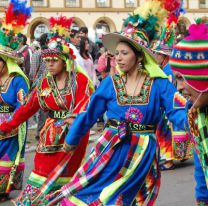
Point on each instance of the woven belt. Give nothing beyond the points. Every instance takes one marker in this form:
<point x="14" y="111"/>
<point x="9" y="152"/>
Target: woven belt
<point x="6" y="109"/>
<point x="131" y="126"/>
<point x="58" y="114"/>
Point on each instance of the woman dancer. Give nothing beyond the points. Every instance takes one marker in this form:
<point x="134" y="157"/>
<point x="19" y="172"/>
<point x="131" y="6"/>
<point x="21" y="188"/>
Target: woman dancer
<point x="64" y="92"/>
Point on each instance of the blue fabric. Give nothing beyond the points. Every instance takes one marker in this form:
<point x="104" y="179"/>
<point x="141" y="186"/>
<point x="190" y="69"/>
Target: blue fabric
<point x="9" y="147"/>
<point x="129" y="190"/>
<point x="201" y="191"/>
<point x="105" y="99"/>
<point x="168" y="71"/>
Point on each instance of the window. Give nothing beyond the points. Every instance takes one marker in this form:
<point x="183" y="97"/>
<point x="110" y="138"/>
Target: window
<point x="185" y="4"/>
<point x="73" y="3"/>
<point x="103" y="3"/>
<point x="101" y="28"/>
<point x="75" y="26"/>
<point x="130" y="3"/>
<point x="4" y="3"/>
<point x="203" y="4"/>
<point x="39" y="3"/>
<point x="39" y="30"/>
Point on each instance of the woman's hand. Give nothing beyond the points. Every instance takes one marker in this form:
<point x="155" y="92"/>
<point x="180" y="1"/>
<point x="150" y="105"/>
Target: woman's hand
<point x="69" y="148"/>
<point x="69" y="120"/>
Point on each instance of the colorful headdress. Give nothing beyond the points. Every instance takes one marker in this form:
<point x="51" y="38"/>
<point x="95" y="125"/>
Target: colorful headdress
<point x="190" y="57"/>
<point x="59" y="38"/>
<point x="167" y="37"/>
<point x="140" y="28"/>
<point x="13" y="23"/>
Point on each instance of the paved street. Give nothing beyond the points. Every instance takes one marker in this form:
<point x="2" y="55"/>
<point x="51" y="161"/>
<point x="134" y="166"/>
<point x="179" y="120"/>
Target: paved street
<point x="177" y="186"/>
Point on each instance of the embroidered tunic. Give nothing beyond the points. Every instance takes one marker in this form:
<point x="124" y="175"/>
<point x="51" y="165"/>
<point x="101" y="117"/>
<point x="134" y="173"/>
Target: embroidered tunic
<point x="12" y="145"/>
<point x="49" y="152"/>
<point x="122" y="169"/>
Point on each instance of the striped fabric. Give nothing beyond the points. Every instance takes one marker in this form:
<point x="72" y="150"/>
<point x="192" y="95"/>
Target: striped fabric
<point x="48" y="184"/>
<point x="190" y="58"/>
<point x="201" y="141"/>
<point x="85" y="175"/>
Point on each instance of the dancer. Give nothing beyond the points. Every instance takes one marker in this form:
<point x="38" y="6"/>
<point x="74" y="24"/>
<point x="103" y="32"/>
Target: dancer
<point x="63" y="92"/>
<point x="189" y="61"/>
<point x="123" y="168"/>
<point x="14" y="86"/>
<point x="175" y="144"/>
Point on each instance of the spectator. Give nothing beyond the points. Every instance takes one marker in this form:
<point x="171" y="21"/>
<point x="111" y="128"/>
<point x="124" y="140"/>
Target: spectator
<point x="75" y="38"/>
<point x="94" y="49"/>
<point x="87" y="59"/>
<point x="25" y="52"/>
<point x="38" y="69"/>
<point x="106" y="64"/>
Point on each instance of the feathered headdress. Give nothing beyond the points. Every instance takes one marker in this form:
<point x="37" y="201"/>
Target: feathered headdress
<point x="59" y="38"/>
<point x="148" y="19"/>
<point x="13" y="23"/>
<point x="167" y="37"/>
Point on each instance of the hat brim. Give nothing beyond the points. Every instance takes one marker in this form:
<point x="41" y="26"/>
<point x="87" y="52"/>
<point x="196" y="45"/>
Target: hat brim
<point x="18" y="60"/>
<point x="111" y="40"/>
<point x="161" y="52"/>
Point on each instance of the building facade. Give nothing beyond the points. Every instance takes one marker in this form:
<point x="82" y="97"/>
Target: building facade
<point x="100" y="16"/>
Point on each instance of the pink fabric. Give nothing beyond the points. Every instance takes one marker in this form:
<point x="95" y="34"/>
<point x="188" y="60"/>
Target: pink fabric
<point x="181" y="137"/>
<point x="198" y="32"/>
<point x="102" y="65"/>
<point x="6" y="170"/>
<point x="89" y="68"/>
<point x="66" y="202"/>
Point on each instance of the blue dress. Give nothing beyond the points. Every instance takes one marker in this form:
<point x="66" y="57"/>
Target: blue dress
<point x="122" y="168"/>
<point x="12" y="95"/>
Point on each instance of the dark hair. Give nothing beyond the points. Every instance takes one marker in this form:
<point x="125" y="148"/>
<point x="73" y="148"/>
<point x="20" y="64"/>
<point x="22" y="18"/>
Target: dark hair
<point x="2" y="60"/>
<point x="83" y="29"/>
<point x="24" y="39"/>
<point x="73" y="33"/>
<point x="43" y="40"/>
<point x="82" y="50"/>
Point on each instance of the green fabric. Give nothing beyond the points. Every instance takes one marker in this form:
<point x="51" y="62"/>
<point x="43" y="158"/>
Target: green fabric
<point x="14" y="68"/>
<point x="152" y="67"/>
<point x="202" y="140"/>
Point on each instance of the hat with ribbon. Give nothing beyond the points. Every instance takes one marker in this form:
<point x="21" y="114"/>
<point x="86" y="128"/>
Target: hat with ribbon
<point x="14" y="22"/>
<point x="190" y="57"/>
<point x="140" y="28"/>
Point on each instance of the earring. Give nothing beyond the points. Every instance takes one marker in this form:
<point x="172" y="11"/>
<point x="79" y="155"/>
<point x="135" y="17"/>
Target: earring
<point x="140" y="65"/>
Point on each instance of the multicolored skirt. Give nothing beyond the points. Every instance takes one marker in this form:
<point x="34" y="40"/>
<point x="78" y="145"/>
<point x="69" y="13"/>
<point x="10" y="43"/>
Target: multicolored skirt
<point x="34" y="183"/>
<point x="121" y="173"/>
<point x="5" y="169"/>
<point x="8" y="153"/>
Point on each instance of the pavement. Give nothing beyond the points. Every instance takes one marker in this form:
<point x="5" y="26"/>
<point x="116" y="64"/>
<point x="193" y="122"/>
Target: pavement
<point x="177" y="186"/>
